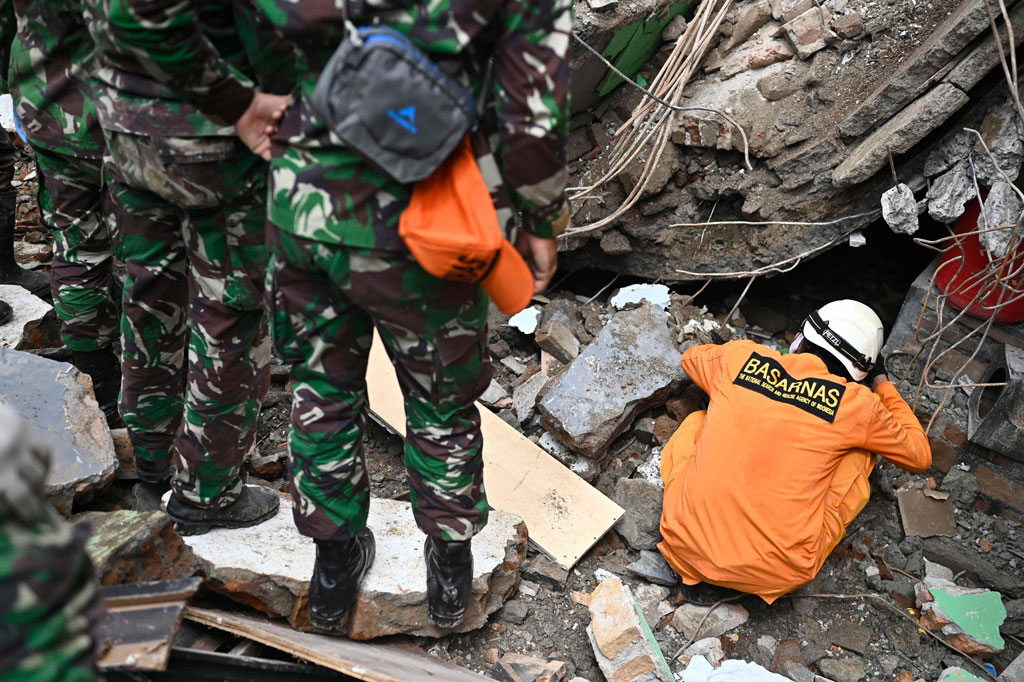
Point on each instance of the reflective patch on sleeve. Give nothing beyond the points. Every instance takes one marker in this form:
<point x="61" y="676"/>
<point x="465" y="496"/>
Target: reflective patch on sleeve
<point x="766" y="376"/>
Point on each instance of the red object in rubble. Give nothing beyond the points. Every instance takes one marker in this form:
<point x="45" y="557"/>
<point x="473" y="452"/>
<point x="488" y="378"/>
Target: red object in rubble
<point x="975" y="259"/>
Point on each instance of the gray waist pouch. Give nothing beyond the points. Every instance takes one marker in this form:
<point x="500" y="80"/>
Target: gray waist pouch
<point x="391" y="104"/>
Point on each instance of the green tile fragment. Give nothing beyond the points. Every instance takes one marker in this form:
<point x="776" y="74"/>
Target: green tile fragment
<point x="958" y="675"/>
<point x="979" y="615"/>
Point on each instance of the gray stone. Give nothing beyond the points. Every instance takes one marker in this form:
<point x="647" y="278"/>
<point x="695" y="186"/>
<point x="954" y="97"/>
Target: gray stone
<point x="950" y="192"/>
<point x="513" y="365"/>
<point x="768" y="645"/>
<point x="772" y="52"/>
<point x="555" y="338"/>
<point x="58" y="400"/>
<point x="1004" y="137"/>
<point x="671" y="161"/>
<point x="1013" y="672"/>
<point x="651" y="600"/>
<point x="848" y="25"/>
<point x="1014" y="623"/>
<point x="709" y="647"/>
<point x="842" y="669"/>
<point x="949" y="152"/>
<point x="623" y="648"/>
<point x="808" y="31"/>
<point x="850" y="636"/>
<point x="631" y="366"/>
<point x="544" y="570"/>
<point x="495" y="395"/>
<point x="918" y="71"/>
<point x="787" y="10"/>
<point x="725" y="617"/>
<point x="524" y="396"/>
<point x="902" y="132"/>
<point x="899" y="209"/>
<point x="778" y="86"/>
<point x="653" y="568"/>
<point x="937" y="571"/>
<point x="514" y="611"/>
<point x="269" y="566"/>
<point x="640" y="523"/>
<point x="1002" y="207"/>
<point x="34" y="324"/>
<point x="674" y="29"/>
<point x="613" y="242"/>
<point x="961" y="485"/>
<point x="750" y="19"/>
<point x="797" y="672"/>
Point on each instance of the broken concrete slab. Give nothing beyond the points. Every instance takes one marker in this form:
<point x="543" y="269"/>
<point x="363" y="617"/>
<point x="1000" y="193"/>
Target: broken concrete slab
<point x="131" y="547"/>
<point x="651" y="600"/>
<point x="700" y="670"/>
<point x="1002" y="207"/>
<point x="269" y="566"/>
<point x="967" y="618"/>
<point x="557" y="339"/>
<point x="640" y="525"/>
<point x="58" y="400"/>
<point x="622" y="641"/>
<point x="850" y="636"/>
<point x="808" y="31"/>
<point x="723" y="618"/>
<point x="524" y="396"/>
<point x="1003" y="132"/>
<point x="1013" y="672"/>
<point x="544" y="570"/>
<point x="902" y="132"/>
<point x="599" y="395"/>
<point x="653" y="568"/>
<point x="787" y="10"/>
<point x="34" y="324"/>
<point x="750" y="19"/>
<point x="950" y="192"/>
<point x="899" y="209"/>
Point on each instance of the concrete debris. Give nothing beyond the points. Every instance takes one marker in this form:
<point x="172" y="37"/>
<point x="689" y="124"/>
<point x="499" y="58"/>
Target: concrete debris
<point x="809" y="31"/>
<point x="848" y="25"/>
<point x="651" y="600"/>
<point x="1013" y="672"/>
<point x="768" y="645"/>
<point x="700" y="670"/>
<point x="842" y="669"/>
<point x="937" y="571"/>
<point x="948" y="194"/>
<point x="34" y="324"/>
<point x="601" y="392"/>
<point x="615" y="243"/>
<point x="787" y="10"/>
<point x="524" y="396"/>
<point x="751" y="18"/>
<point x="967" y="618"/>
<point x="555" y="338"/>
<point x="899" y="209"/>
<point x="675" y="29"/>
<point x="710" y="648"/>
<point x="514" y="611"/>
<point x="495" y="396"/>
<point x="655" y="294"/>
<point x="949" y="152"/>
<point x="652" y="567"/>
<point x="664" y="427"/>
<point x="268" y="566"/>
<point x="1002" y="207"/>
<point x="770" y="53"/>
<point x="724" y="618"/>
<point x="544" y="570"/>
<point x="851" y="636"/>
<point x="58" y="400"/>
<point x="857" y="239"/>
<point x="670" y="162"/>
<point x="1003" y="133"/>
<point x="962" y="485"/>
<point x="640" y="525"/>
<point x="526" y="320"/>
<point x="622" y="642"/>
<point x="518" y="668"/>
<point x="1014" y="623"/>
<point x="958" y="675"/>
<point x="133" y="547"/>
<point x="781" y="85"/>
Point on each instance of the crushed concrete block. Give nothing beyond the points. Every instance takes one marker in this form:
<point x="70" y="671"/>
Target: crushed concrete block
<point x="937" y="571"/>
<point x="950" y="151"/>
<point x="902" y="132"/>
<point x="850" y="636"/>
<point x="34" y="324"/>
<point x="787" y="10"/>
<point x="674" y="29"/>
<point x="268" y="567"/>
<point x="768" y="645"/>
<point x="1002" y="207"/>
<point x="724" y="618"/>
<point x="513" y="365"/>
<point x="556" y="338"/>
<point x="514" y="611"/>
<point x="601" y="392"/>
<point x="967" y="618"/>
<point x="623" y="643"/>
<point x="133" y="547"/>
<point x="518" y="668"/>
<point x="1013" y="672"/>
<point x="709" y="647"/>
<point x="495" y="395"/>
<point x="651" y="600"/>
<point x="1003" y="133"/>
<point x="699" y="670"/>
<point x="963" y="486"/>
<point x="544" y="570"/>
<point x="958" y="675"/>
<point x="842" y="669"/>
<point x="664" y="427"/>
<point x="613" y="242"/>
<point x="524" y="396"/>
<point x="899" y="209"/>
<point x="848" y="25"/>
<point x="58" y="400"/>
<point x="772" y="52"/>
<point x="950" y="192"/>
<point x="808" y="31"/>
<point x="640" y="525"/>
<point x="750" y="19"/>
<point x="652" y="567"/>
<point x="671" y="161"/>
<point x="797" y="671"/>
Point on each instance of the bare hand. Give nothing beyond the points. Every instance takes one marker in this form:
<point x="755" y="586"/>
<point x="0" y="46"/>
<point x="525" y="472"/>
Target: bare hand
<point x="260" y="121"/>
<point x="879" y="379"/>
<point x="542" y="257"/>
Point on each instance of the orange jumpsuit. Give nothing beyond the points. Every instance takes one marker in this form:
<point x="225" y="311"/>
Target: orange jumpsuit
<point x="759" y="488"/>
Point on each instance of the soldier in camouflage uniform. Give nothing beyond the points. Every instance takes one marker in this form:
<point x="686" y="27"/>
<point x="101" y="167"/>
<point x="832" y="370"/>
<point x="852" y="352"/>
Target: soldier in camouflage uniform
<point x="48" y="603"/>
<point x="190" y="205"/>
<point x="54" y="102"/>
<point x="339" y="269"/>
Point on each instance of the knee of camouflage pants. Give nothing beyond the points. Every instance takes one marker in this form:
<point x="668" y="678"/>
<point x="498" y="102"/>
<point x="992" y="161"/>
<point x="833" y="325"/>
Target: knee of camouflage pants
<point x="325" y="300"/>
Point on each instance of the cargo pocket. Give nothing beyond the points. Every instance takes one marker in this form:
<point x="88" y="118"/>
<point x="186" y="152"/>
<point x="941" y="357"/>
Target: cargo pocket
<point x="205" y="172"/>
<point x="284" y="331"/>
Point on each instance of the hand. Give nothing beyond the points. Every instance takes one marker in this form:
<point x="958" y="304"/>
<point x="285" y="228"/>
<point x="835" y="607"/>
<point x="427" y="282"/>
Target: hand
<point x="876" y="374"/>
<point x="24" y="464"/>
<point x="542" y="257"/>
<point x="260" y="121"/>
<point x="878" y="379"/>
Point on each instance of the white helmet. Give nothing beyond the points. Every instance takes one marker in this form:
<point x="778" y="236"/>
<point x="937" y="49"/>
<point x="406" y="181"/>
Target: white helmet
<point x="850" y="331"/>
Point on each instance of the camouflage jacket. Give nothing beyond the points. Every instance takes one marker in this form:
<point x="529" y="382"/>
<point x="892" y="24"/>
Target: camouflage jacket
<point x="7" y="25"/>
<point x="49" y="77"/>
<point x="140" y="44"/>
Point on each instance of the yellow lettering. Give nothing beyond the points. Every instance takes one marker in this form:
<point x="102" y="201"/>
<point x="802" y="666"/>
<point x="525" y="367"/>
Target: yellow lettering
<point x="782" y="384"/>
<point x="833" y="397"/>
<point x="820" y="393"/>
<point x="751" y="367"/>
<point x="762" y="371"/>
<point x="775" y="375"/>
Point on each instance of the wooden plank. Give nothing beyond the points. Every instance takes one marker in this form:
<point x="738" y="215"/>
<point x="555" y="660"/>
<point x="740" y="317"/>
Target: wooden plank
<point x="366" y="661"/>
<point x="156" y="592"/>
<point x="564" y="514"/>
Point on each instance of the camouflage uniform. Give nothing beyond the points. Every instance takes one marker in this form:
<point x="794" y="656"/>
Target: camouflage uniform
<point x="190" y="206"/>
<point x="338" y="267"/>
<point x="54" y="102"/>
<point x="8" y="154"/>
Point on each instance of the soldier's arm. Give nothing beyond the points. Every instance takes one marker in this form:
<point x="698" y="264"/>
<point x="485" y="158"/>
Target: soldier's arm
<point x="531" y="70"/>
<point x="166" y="38"/>
<point x="8" y="27"/>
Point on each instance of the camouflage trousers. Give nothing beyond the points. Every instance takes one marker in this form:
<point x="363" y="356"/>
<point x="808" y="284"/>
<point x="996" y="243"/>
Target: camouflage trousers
<point x="190" y="215"/>
<point x="8" y="155"/>
<point x="325" y="301"/>
<point x="48" y="604"/>
<point x="70" y="199"/>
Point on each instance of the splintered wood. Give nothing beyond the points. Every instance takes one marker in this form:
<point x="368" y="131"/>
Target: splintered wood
<point x="563" y="513"/>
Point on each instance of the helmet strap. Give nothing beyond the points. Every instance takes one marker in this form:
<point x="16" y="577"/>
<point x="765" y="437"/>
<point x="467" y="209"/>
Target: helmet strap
<point x="839" y="343"/>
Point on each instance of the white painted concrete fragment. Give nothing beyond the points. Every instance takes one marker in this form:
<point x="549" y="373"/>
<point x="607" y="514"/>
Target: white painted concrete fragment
<point x="526" y="320"/>
<point x="656" y="294"/>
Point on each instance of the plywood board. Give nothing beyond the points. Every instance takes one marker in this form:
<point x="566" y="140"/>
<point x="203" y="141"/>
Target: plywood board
<point x="926" y="513"/>
<point x="564" y="514"/>
<point x="363" y="660"/>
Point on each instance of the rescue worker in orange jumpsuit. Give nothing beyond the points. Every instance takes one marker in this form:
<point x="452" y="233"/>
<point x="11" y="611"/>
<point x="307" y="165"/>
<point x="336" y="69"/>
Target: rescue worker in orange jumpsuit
<point x="759" y="488"/>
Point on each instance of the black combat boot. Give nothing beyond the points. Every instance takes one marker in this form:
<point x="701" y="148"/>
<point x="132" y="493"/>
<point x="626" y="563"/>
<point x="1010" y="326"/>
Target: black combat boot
<point x="254" y="506"/>
<point x="155" y="471"/>
<point x="339" y="569"/>
<point x="104" y="369"/>
<point x="706" y="594"/>
<point x="10" y="271"/>
<point x="5" y="313"/>
<point x="449" y="580"/>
